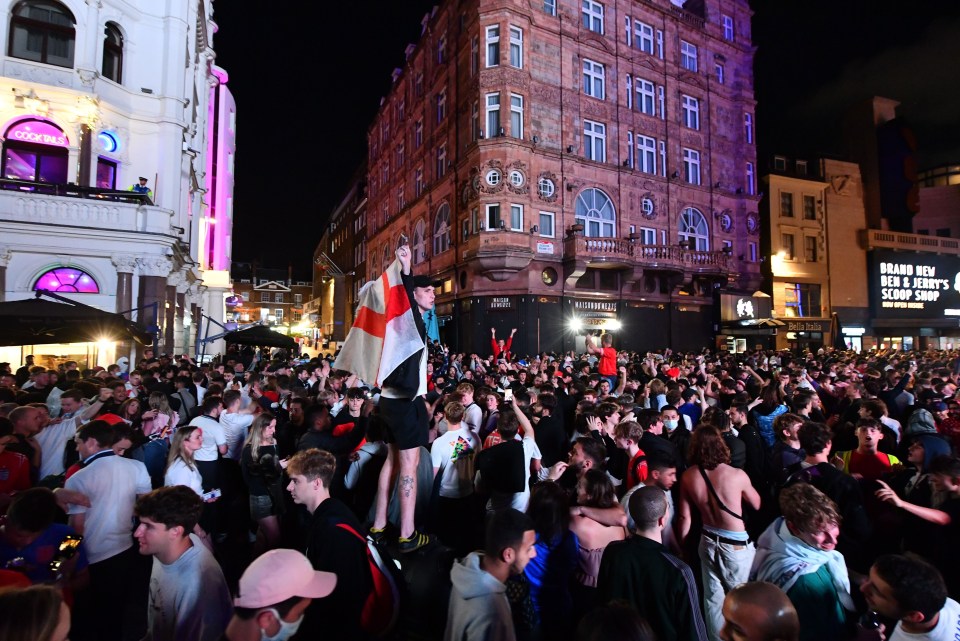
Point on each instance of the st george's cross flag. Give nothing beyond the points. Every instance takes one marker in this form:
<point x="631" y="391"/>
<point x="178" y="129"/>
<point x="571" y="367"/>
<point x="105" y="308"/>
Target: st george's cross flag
<point x="384" y="333"/>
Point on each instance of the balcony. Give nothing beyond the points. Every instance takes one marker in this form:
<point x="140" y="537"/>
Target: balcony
<point x="878" y="238"/>
<point x="499" y="255"/>
<point x="57" y="204"/>
<point x="612" y="253"/>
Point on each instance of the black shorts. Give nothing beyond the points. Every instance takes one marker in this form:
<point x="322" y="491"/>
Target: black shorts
<point x="406" y="420"/>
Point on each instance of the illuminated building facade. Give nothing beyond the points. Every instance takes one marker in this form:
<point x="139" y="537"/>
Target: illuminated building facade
<point x="569" y="165"/>
<point x="92" y="97"/>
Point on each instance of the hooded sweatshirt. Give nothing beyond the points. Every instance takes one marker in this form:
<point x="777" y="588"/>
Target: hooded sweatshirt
<point x="479" y="610"/>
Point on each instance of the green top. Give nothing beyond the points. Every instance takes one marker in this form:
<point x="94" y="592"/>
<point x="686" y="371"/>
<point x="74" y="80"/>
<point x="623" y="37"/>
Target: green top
<point x="819" y="608"/>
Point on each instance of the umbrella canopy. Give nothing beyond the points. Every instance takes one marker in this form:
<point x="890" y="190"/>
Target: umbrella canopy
<point x="38" y="321"/>
<point x="260" y="336"/>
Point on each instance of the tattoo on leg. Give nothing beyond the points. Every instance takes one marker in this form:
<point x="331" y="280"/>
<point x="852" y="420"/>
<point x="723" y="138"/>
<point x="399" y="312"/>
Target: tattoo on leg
<point x="406" y="485"/>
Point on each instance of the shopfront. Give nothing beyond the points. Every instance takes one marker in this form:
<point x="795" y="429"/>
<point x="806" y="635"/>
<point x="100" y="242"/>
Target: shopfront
<point x="914" y="300"/>
<point x="745" y="322"/>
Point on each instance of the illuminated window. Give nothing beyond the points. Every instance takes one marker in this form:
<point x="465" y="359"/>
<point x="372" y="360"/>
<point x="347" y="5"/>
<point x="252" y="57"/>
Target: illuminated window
<point x="693" y="229"/>
<point x="67" y="279"/>
<point x="594" y="210"/>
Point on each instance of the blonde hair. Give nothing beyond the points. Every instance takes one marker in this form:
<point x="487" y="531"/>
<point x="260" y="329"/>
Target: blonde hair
<point x="255" y="437"/>
<point x="158" y="401"/>
<point x="29" y="614"/>
<point x="176" y="447"/>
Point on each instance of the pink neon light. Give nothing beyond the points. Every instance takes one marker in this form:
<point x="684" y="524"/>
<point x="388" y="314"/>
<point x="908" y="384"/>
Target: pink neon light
<point x="38" y="132"/>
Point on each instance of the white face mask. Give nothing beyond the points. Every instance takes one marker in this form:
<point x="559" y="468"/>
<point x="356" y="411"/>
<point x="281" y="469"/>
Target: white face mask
<point x="671" y="424"/>
<point x="286" y="631"/>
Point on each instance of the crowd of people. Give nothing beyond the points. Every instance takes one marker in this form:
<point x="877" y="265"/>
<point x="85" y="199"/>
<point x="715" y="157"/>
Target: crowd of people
<point x="602" y="495"/>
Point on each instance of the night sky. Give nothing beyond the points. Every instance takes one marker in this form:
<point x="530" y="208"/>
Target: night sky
<point x="307" y="86"/>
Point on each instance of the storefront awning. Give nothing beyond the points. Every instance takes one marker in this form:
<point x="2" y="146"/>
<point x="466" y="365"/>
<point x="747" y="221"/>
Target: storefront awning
<point x="260" y="336"/>
<point x="36" y="321"/>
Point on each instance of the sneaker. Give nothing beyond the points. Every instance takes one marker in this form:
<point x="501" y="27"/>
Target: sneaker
<point x="379" y="535"/>
<point x="414" y="542"/>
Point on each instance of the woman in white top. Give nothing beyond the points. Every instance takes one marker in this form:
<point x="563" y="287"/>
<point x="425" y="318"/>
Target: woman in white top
<point x="181" y="469"/>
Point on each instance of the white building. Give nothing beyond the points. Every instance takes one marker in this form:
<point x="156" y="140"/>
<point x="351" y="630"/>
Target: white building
<point x="94" y="95"/>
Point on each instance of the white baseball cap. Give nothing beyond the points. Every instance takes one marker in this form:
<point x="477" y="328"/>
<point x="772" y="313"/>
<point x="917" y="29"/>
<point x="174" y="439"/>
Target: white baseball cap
<point x="279" y="575"/>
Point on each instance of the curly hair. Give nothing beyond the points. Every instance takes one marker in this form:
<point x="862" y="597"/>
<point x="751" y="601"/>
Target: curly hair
<point x="807" y="508"/>
<point x="707" y="448"/>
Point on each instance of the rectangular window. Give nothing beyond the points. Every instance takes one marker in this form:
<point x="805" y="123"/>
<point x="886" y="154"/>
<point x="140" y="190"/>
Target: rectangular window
<point x="727" y="22"/>
<point x="801" y="167"/>
<point x="786" y="204"/>
<point x="402" y="110"/>
<point x="663" y="158"/>
<point x="278" y="297"/>
<point x="401" y="197"/>
<point x="661" y="102"/>
<point x="418" y="85"/>
<point x="751" y="180"/>
<point x="297" y="316"/>
<point x="418" y="133"/>
<point x="779" y="163"/>
<point x="245" y="296"/>
<point x="264" y="297"/>
<point x="401" y="154"/>
<point x="441" y="160"/>
<point x="629" y="93"/>
<point x="660" y="43"/>
<point x="474" y="56"/>
<point x="279" y="314"/>
<point x="691" y="166"/>
<point x="546" y="224"/>
<point x="595" y="140"/>
<point x="646" y="154"/>
<point x="787" y="242"/>
<point x="809" y="207"/>
<point x="516" y="115"/>
<point x="748" y="128"/>
<point x="752" y="252"/>
<point x="475" y="120"/>
<point x="718" y="68"/>
<point x="441" y="106"/>
<point x="298" y="298"/>
<point x="648" y="236"/>
<point x="418" y="181"/>
<point x="516" y="217"/>
<point x="493" y="45"/>
<point x="629" y="161"/>
<point x="810" y="249"/>
<point x="550" y="7"/>
<point x="442" y="49"/>
<point x="493" y="115"/>
<point x="802" y="300"/>
<point x="593" y="79"/>
<point x="592" y="16"/>
<point x="645" y="97"/>
<point x="688" y="56"/>
<point x="691" y="112"/>
<point x="493" y="216"/>
<point x="643" y="37"/>
<point x="516" y="47"/>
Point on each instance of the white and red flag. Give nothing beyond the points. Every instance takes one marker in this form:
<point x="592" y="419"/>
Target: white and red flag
<point x="384" y="333"/>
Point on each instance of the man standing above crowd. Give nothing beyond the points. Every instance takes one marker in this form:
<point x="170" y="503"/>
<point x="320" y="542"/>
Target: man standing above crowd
<point x="607" y="365"/>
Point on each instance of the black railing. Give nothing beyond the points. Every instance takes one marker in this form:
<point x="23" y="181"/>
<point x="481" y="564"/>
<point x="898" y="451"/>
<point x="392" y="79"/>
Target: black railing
<point x="74" y="191"/>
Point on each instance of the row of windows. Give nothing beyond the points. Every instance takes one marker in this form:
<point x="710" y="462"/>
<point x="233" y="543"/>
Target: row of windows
<point x="45" y="31"/>
<point x="787" y="206"/>
<point x="811" y="247"/>
<point x="265" y="297"/>
<point x="592" y="18"/>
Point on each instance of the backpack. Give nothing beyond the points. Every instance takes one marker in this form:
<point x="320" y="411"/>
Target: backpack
<point x="382" y="607"/>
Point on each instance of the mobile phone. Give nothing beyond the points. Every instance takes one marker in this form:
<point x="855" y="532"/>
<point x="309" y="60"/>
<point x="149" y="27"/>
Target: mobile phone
<point x="508" y="394"/>
<point x="66" y="551"/>
<point x="212" y="494"/>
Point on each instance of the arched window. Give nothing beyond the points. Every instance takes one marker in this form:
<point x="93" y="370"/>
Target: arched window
<point x="67" y="279"/>
<point x="596" y="213"/>
<point x="419" y="243"/>
<point x="441" y="230"/>
<point x="694" y="230"/>
<point x="42" y="31"/>
<point x="112" y="52"/>
<point x="35" y="149"/>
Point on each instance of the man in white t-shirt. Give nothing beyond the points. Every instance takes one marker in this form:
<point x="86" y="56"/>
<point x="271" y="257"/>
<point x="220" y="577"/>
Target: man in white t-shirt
<point x="453" y="454"/>
<point x="112" y="484"/>
<point x="235" y="422"/>
<point x="912" y="593"/>
<point x="207" y="457"/>
<point x="53" y="438"/>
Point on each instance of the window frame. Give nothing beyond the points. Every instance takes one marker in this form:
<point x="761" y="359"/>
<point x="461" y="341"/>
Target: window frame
<point x="689" y="56"/>
<point x="592" y="15"/>
<point x="594" y="79"/>
<point x="645" y="90"/>
<point x="516" y="115"/>
<point x="441" y="236"/>
<point x="553" y="221"/>
<point x="786" y="204"/>
<point x="726" y="23"/>
<point x="492" y="224"/>
<point x="441" y="105"/>
<point x="595" y="137"/>
<point x="646" y="156"/>
<point x="691" y="166"/>
<point x="690" y="110"/>
<point x="641" y="38"/>
<point x="24" y="31"/>
<point x="491" y="110"/>
<point x="516" y="46"/>
<point x="492" y="46"/>
<point x="516" y="217"/>
<point x="112" y="52"/>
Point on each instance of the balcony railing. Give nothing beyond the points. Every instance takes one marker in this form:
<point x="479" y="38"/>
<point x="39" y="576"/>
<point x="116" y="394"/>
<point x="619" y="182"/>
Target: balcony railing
<point x="76" y="206"/>
<point x="911" y="242"/>
<point x="625" y="251"/>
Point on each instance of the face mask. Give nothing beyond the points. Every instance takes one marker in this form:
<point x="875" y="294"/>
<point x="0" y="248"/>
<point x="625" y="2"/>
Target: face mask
<point x="286" y="631"/>
<point x="671" y="424"/>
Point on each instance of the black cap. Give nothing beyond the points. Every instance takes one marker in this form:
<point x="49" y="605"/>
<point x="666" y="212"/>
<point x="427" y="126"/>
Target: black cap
<point x="425" y="281"/>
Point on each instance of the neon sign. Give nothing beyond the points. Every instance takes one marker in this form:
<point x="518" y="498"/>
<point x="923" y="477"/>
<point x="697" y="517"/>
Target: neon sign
<point x="39" y="133"/>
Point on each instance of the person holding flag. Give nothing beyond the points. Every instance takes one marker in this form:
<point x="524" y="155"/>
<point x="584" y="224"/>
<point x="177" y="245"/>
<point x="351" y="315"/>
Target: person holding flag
<point x="387" y="344"/>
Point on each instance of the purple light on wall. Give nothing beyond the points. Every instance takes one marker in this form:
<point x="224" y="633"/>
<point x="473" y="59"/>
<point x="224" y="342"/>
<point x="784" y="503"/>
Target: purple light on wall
<point x="66" y="279"/>
<point x="38" y="132"/>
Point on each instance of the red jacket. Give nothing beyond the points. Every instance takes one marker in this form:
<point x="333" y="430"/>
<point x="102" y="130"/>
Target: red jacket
<point x="506" y="348"/>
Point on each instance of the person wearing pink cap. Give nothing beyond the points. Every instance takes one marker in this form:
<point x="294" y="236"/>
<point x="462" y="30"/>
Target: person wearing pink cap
<point x="275" y="591"/>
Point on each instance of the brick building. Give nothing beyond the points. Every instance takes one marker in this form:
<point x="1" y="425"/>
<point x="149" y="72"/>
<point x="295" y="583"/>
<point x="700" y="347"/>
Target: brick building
<point x="274" y="296"/>
<point x="572" y="164"/>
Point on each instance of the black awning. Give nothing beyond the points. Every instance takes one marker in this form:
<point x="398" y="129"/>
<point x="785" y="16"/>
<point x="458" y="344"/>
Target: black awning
<point x="37" y="321"/>
<point x="260" y="336"/>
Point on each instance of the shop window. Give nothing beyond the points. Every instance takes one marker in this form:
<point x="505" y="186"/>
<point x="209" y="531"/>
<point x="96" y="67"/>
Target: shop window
<point x="68" y="280"/>
<point x="801" y="300"/>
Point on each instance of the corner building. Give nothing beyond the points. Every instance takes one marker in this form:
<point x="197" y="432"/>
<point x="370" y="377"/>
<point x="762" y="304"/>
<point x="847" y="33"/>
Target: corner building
<point x="569" y="165"/>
